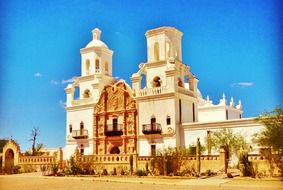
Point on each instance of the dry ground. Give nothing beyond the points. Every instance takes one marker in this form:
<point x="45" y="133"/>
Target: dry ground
<point x="33" y="182"/>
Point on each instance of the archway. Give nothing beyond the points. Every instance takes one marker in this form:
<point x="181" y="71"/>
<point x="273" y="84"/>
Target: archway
<point x="9" y="161"/>
<point x="115" y="150"/>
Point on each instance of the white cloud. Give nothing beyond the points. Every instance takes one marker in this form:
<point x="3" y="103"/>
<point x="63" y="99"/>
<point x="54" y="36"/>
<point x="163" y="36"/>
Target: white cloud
<point x="54" y="82"/>
<point x="242" y="84"/>
<point x="67" y="81"/>
<point x="37" y="75"/>
<point x="62" y="104"/>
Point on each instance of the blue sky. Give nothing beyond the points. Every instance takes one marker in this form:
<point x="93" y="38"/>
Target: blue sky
<point x="232" y="47"/>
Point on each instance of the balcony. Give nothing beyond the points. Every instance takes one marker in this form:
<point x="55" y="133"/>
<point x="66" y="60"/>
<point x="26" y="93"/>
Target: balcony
<point x="114" y="130"/>
<point x="80" y="134"/>
<point x="154" y="128"/>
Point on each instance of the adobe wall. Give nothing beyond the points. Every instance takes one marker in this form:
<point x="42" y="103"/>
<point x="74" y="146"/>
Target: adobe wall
<point x="264" y="167"/>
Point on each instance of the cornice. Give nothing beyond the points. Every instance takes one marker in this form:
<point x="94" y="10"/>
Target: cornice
<point x="97" y="49"/>
<point x="85" y="78"/>
<point x="132" y="110"/>
<point x="74" y="141"/>
<point x="171" y="72"/>
<point x="163" y="30"/>
<point x="233" y="123"/>
<point x="156" y="136"/>
<point x="80" y="107"/>
<point x="155" y="64"/>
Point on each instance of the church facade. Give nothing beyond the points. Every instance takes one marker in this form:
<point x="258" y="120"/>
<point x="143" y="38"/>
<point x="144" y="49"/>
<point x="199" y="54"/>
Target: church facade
<point x="166" y="110"/>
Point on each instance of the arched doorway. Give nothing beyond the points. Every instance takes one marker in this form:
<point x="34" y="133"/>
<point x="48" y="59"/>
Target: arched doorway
<point x="9" y="161"/>
<point x="115" y="150"/>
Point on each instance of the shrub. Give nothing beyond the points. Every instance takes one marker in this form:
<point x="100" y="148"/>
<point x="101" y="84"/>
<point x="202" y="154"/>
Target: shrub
<point x="114" y="172"/>
<point x="141" y="173"/>
<point x="54" y="168"/>
<point x="16" y="169"/>
<point x="104" y="172"/>
<point x="74" y="168"/>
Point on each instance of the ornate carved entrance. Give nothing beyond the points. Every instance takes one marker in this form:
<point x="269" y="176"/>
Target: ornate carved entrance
<point x="115" y="129"/>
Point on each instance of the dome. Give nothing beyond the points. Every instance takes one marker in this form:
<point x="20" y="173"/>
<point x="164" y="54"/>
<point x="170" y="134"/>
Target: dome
<point x="96" y="42"/>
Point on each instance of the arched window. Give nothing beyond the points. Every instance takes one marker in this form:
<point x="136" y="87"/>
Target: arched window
<point x="153" y="122"/>
<point x="156" y="82"/>
<point x="156" y="51"/>
<point x="177" y="53"/>
<point x="70" y="128"/>
<point x="76" y="93"/>
<point x="168" y="120"/>
<point x="143" y="81"/>
<point x="87" y="65"/>
<point x="86" y="93"/>
<point x="106" y="67"/>
<point x="168" y="49"/>
<point x="180" y="82"/>
<point x="97" y="66"/>
<point x="81" y="128"/>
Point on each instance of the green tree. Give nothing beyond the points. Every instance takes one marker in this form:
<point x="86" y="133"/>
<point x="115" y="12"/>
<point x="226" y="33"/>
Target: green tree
<point x="232" y="142"/>
<point x="272" y="135"/>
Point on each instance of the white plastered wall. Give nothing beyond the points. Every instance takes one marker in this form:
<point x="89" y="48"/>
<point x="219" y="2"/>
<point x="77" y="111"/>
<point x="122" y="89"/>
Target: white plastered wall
<point x="75" y="118"/>
<point x="158" y="108"/>
<point x="210" y="114"/>
<point x="246" y="131"/>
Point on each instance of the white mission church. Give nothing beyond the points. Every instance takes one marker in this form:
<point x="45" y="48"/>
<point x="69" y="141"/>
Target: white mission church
<point x="113" y="117"/>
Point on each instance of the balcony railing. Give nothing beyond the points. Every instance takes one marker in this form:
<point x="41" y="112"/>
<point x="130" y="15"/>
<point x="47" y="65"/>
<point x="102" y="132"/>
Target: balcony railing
<point x="114" y="130"/>
<point x="80" y="134"/>
<point x="154" y="128"/>
<point x="152" y="91"/>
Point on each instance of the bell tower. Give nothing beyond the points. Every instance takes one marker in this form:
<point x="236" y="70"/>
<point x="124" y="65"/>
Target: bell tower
<point x="164" y="43"/>
<point x="96" y="57"/>
<point x="84" y="92"/>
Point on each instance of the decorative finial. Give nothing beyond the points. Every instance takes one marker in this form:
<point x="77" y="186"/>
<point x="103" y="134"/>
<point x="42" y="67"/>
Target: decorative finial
<point x="223" y="100"/>
<point x="239" y="106"/>
<point x="232" y="104"/>
<point x="96" y="34"/>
